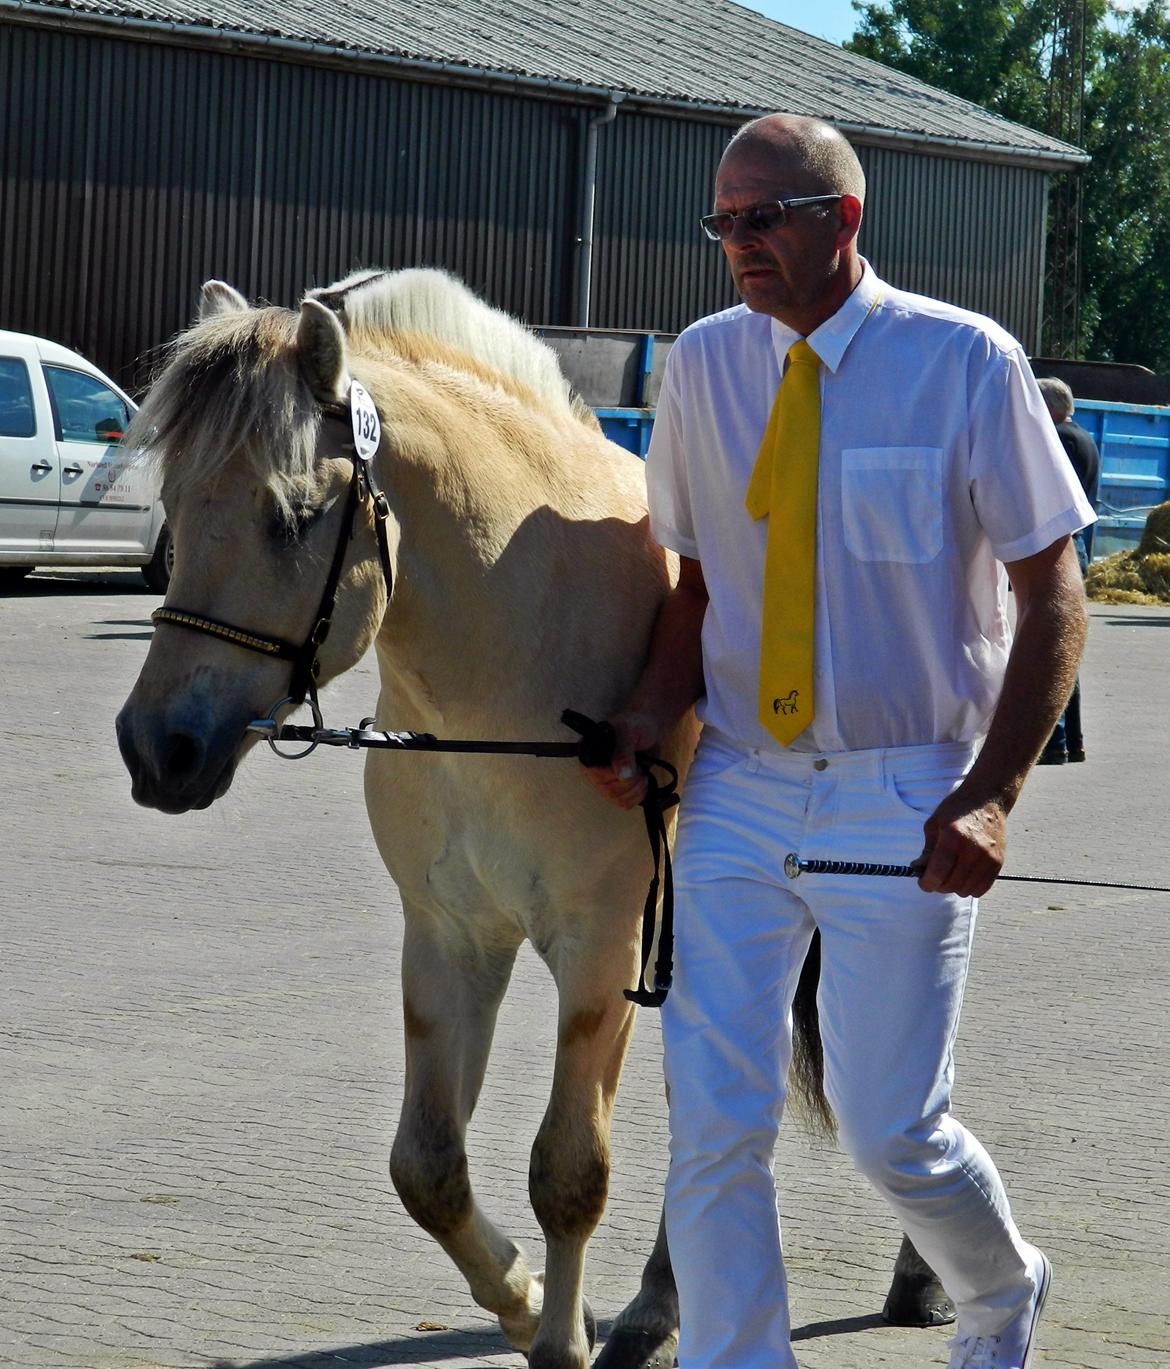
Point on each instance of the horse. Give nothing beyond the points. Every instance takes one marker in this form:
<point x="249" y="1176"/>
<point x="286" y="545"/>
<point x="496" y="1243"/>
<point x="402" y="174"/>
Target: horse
<point x="494" y="549"/>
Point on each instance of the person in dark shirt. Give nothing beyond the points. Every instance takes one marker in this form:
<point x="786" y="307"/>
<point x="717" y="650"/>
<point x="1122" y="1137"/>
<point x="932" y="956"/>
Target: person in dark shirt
<point x="1067" y="742"/>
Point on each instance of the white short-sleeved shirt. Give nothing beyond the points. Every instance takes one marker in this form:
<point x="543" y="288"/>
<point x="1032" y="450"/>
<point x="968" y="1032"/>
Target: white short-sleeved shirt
<point x="938" y="461"/>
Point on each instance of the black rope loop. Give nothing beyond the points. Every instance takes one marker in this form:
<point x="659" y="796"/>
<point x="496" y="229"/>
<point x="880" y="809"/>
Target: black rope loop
<point x="598" y="743"/>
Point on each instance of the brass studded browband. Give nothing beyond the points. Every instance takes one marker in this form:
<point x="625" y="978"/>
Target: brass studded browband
<point x="270" y="646"/>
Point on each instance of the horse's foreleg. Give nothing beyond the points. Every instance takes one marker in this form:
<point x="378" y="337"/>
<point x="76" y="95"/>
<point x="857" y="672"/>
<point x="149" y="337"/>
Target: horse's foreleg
<point x="450" y="1002"/>
<point x="569" y="1173"/>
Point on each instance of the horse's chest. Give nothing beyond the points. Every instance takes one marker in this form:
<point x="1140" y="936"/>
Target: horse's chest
<point x="474" y="874"/>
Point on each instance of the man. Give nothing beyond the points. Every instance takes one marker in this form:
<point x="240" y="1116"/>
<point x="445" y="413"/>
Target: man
<point x="931" y="457"/>
<point x="1067" y="742"/>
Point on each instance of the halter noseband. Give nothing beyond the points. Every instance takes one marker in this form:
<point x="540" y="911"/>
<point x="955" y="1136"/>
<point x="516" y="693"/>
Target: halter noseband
<point x="305" y="662"/>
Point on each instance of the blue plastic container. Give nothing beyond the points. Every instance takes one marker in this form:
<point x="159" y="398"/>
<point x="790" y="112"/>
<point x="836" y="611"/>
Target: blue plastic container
<point x="1134" y="441"/>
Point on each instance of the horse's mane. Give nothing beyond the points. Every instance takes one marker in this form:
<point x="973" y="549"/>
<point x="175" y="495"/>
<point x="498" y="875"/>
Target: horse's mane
<point x="234" y="376"/>
<point x="373" y="305"/>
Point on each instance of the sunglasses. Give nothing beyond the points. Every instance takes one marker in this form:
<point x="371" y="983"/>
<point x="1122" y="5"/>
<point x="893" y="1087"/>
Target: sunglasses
<point x="758" y="218"/>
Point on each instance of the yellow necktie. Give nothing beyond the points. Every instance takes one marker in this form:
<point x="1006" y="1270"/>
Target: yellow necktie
<point x="784" y="486"/>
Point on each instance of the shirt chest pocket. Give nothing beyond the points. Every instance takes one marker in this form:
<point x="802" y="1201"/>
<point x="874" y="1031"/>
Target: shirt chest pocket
<point x="892" y="502"/>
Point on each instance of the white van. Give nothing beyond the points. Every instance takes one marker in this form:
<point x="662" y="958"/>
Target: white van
<point x="70" y="495"/>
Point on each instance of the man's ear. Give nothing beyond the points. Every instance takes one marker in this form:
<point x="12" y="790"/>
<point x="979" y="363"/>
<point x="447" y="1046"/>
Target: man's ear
<point x="849" y="220"/>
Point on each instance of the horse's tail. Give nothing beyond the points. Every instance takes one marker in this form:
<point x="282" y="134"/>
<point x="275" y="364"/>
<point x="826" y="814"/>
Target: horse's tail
<point x="807" y="1074"/>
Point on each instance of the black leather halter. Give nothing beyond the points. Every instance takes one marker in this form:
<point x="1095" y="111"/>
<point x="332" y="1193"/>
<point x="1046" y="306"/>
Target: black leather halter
<point x="306" y="665"/>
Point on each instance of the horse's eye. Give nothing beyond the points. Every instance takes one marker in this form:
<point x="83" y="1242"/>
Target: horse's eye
<point x="290" y="529"/>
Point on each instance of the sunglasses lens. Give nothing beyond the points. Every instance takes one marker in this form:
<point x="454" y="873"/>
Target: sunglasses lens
<point x="763" y="218"/>
<point x="717" y="226"/>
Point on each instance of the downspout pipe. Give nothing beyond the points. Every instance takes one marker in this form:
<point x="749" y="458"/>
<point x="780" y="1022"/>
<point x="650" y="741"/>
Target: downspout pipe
<point x="588" y="205"/>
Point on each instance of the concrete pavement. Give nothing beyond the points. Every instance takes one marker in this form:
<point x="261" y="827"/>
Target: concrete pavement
<point x="201" y="1057"/>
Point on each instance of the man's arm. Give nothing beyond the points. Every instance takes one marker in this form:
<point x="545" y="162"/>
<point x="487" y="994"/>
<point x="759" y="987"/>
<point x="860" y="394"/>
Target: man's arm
<point x="670" y="683"/>
<point x="965" y="836"/>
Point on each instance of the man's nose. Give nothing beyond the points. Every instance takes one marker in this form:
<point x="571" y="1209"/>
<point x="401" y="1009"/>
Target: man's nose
<point x="741" y="232"/>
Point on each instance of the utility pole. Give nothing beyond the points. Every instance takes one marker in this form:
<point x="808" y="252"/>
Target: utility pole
<point x="1066" y="120"/>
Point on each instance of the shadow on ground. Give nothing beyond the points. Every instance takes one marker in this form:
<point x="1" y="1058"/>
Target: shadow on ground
<point x="431" y="1348"/>
<point x="51" y="584"/>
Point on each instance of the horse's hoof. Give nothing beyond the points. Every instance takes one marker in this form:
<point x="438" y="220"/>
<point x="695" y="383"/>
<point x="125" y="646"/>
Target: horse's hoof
<point x="539" y="1358"/>
<point x="628" y="1348"/>
<point x="917" y="1302"/>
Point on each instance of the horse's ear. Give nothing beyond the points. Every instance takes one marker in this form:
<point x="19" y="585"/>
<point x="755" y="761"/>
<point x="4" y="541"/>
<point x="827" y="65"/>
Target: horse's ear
<point x="217" y="297"/>
<point x="321" y="352"/>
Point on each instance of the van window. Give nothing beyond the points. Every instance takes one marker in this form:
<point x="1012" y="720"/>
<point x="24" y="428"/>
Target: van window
<point x="16" y="403"/>
<point x="86" y="410"/>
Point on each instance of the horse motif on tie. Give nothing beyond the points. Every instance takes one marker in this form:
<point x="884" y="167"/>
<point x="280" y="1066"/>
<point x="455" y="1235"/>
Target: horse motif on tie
<point x="787" y="704"/>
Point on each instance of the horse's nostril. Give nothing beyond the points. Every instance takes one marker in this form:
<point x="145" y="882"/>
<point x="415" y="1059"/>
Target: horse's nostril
<point x="183" y="756"/>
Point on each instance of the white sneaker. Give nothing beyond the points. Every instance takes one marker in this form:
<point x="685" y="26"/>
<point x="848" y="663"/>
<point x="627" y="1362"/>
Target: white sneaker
<point x="1015" y="1345"/>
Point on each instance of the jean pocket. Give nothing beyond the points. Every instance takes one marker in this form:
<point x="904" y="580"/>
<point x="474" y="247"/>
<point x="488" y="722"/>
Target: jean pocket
<point x="714" y="759"/>
<point x="919" y="792"/>
<point x="892" y="503"/>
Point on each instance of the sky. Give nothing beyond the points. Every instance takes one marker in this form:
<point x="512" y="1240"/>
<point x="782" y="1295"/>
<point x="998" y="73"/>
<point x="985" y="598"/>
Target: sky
<point x="832" y="19"/>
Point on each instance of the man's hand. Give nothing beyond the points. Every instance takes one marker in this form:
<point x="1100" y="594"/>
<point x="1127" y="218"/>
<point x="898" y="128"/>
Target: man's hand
<point x="965" y="847"/>
<point x="621" y="781"/>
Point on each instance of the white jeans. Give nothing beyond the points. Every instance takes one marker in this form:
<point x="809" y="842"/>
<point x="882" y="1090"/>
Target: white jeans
<point x="893" y="965"/>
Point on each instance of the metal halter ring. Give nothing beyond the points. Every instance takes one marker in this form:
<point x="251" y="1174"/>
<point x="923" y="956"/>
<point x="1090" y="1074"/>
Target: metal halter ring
<point x="273" y="728"/>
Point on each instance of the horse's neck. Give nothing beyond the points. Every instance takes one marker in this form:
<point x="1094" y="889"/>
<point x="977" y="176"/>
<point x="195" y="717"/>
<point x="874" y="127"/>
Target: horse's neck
<point x="460" y="634"/>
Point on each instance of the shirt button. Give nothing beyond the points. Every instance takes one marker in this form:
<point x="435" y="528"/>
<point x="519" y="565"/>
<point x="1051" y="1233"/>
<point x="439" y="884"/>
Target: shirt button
<point x="820" y="764"/>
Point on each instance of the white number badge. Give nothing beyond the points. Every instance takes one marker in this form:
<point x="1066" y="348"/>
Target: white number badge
<point x="367" y="428"/>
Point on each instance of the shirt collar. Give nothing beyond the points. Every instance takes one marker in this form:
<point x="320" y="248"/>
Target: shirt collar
<point x="831" y="340"/>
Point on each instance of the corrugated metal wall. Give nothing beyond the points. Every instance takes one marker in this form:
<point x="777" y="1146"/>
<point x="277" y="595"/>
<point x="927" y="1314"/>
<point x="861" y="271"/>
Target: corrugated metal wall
<point x="131" y="171"/>
<point x="968" y="232"/>
<point x="654" y="268"/>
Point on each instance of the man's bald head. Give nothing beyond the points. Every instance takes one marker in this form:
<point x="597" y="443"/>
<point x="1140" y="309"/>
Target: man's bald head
<point x="810" y="148"/>
<point x="801" y="266"/>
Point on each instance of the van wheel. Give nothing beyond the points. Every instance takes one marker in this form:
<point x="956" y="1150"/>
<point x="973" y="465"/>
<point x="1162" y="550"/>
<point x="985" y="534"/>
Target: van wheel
<point x="157" y="572"/>
<point x="12" y="576"/>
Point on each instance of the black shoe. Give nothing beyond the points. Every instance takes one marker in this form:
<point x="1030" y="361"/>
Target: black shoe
<point x="1054" y="755"/>
<point x="1076" y="753"/>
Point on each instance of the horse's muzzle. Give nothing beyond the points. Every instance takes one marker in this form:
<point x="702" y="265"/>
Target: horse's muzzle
<point x="175" y="768"/>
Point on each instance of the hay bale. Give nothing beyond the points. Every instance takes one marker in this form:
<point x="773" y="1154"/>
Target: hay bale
<point x="1156" y="533"/>
<point x="1141" y="576"/>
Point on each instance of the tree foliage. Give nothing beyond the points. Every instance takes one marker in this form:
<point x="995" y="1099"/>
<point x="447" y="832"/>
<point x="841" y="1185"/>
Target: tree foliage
<point x="999" y="54"/>
<point x="1126" y="249"/>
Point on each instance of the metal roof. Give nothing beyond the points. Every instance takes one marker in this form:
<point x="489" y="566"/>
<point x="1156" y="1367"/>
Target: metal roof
<point x="708" y="55"/>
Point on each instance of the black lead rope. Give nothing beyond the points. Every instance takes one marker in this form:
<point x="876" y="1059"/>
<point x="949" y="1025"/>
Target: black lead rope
<point x="598" y="741"/>
<point x="594" y="750"/>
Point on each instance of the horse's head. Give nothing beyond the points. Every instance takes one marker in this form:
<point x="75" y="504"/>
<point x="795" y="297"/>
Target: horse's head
<point x="250" y="425"/>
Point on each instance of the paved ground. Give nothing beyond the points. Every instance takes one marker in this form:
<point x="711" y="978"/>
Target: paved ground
<point x="201" y="1055"/>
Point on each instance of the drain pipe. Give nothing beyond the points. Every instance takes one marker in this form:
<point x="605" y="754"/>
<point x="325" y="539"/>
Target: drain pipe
<point x="588" y="201"/>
